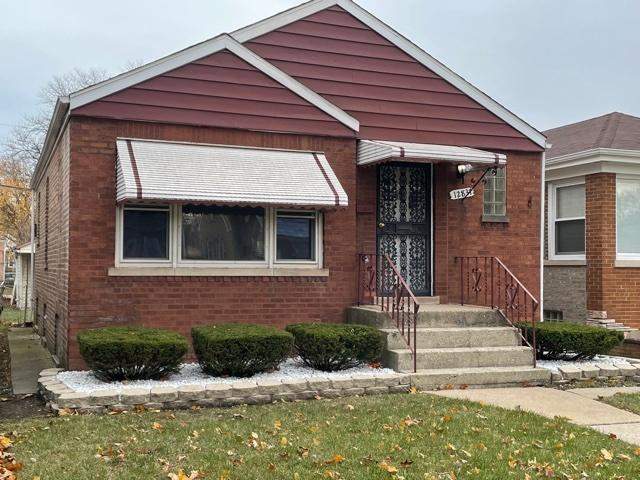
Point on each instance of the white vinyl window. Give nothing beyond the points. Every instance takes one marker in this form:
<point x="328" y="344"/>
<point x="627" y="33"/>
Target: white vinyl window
<point x="628" y="218"/>
<point x="567" y="221"/>
<point x="217" y="236"/>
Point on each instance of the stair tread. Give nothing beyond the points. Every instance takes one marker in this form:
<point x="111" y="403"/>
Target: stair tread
<point x="445" y="371"/>
<point x="466" y="349"/>
<point x="455" y="329"/>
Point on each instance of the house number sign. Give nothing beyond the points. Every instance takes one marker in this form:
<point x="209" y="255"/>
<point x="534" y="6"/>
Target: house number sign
<point x="461" y="193"/>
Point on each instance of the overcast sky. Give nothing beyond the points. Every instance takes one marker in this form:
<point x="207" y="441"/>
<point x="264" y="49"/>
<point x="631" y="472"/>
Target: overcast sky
<point x="551" y="62"/>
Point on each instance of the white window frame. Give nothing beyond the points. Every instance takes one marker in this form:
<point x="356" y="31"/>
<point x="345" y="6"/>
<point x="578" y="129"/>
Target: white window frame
<point x="175" y="245"/>
<point x="143" y="262"/>
<point x="551" y="226"/>
<point x="504" y="202"/>
<point x="620" y="255"/>
<point x="318" y="239"/>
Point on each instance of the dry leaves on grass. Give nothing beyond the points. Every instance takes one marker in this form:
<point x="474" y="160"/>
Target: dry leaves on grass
<point x="8" y="464"/>
<point x="194" y="475"/>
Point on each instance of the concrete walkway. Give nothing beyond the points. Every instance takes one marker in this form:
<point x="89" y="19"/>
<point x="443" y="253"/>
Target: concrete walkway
<point x="576" y="405"/>
<point x="28" y="359"/>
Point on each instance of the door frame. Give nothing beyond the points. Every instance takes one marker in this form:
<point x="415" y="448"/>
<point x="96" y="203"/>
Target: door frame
<point x="430" y="169"/>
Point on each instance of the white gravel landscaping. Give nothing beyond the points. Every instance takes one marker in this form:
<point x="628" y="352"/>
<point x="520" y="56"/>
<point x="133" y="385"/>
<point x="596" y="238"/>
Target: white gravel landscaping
<point x="191" y="374"/>
<point x="554" y="365"/>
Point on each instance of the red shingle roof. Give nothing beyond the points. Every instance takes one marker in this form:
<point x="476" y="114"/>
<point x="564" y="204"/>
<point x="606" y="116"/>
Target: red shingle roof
<point x="614" y="130"/>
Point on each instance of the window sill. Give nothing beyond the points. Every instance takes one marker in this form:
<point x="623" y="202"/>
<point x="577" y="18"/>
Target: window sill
<point x="495" y="219"/>
<point x="565" y="263"/>
<point x="217" y="272"/>
<point x="627" y="264"/>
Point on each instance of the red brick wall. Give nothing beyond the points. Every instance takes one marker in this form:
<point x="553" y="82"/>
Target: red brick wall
<point x="458" y="226"/>
<point x="95" y="299"/>
<point x="610" y="289"/>
<point x="51" y="277"/>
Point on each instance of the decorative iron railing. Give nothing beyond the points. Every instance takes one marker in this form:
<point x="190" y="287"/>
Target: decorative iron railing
<point x="486" y="281"/>
<point x="381" y="283"/>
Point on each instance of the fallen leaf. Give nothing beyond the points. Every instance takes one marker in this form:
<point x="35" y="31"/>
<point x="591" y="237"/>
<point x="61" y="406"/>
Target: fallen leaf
<point x="157" y="426"/>
<point x="337" y="458"/>
<point x="606" y="454"/>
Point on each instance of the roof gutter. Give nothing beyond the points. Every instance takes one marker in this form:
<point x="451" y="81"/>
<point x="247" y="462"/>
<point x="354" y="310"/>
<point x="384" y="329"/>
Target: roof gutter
<point x="56" y="127"/>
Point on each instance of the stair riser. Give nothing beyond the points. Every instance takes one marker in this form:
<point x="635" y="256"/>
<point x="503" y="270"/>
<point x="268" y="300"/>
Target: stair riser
<point x="487" y="318"/>
<point x="457" y="339"/>
<point x="432" y="381"/>
<point x="402" y="361"/>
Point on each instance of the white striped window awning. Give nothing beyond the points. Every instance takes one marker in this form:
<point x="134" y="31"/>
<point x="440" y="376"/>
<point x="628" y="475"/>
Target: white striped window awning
<point x="160" y="171"/>
<point x="371" y="152"/>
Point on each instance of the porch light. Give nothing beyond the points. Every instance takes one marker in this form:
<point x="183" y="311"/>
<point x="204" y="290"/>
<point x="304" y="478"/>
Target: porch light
<point x="463" y="169"/>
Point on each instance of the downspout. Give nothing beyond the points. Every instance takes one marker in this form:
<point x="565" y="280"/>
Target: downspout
<point x="542" y="231"/>
<point x="29" y="299"/>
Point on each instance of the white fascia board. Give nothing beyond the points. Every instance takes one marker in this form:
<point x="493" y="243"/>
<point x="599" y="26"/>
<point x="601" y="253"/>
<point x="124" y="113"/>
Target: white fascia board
<point x="597" y="160"/>
<point x="277" y="21"/>
<point x="148" y="71"/>
<point x="55" y="129"/>
<point x="296" y="87"/>
<point x="222" y="42"/>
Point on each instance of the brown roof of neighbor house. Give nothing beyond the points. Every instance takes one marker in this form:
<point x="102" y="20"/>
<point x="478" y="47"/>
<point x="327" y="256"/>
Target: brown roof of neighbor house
<point x="614" y="130"/>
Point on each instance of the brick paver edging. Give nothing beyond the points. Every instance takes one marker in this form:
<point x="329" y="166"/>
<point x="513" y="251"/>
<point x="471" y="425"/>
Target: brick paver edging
<point x="599" y="371"/>
<point x="59" y="396"/>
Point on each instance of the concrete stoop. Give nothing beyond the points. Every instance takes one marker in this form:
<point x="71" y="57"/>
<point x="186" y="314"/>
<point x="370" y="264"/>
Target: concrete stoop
<point x="458" y="346"/>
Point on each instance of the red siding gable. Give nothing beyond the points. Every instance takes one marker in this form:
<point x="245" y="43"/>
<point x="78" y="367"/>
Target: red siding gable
<point x="220" y="90"/>
<point x="392" y="95"/>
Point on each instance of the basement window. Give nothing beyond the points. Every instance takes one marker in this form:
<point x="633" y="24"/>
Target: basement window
<point x="553" y="315"/>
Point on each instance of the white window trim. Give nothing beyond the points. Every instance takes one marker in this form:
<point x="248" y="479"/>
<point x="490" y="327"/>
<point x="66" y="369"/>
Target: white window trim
<point x="259" y="267"/>
<point x="141" y="262"/>
<point x="619" y="255"/>
<point x="551" y="225"/>
<point x="318" y="240"/>
<point x="504" y="202"/>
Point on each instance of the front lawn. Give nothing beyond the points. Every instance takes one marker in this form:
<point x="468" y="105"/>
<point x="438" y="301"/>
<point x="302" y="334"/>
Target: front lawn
<point x="411" y="436"/>
<point x="625" y="401"/>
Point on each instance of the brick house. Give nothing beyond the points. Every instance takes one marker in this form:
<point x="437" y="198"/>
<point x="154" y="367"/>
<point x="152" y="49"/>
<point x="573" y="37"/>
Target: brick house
<point x="238" y="179"/>
<point x="592" y="265"/>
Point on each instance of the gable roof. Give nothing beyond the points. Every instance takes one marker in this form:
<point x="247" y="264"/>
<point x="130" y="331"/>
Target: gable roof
<point x="613" y="131"/>
<point x="286" y="17"/>
<point x="214" y="45"/>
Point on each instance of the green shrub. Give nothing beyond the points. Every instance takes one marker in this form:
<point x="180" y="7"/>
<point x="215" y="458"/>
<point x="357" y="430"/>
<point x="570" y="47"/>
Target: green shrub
<point x="240" y="350"/>
<point x="132" y="353"/>
<point x="571" y="341"/>
<point x="330" y="346"/>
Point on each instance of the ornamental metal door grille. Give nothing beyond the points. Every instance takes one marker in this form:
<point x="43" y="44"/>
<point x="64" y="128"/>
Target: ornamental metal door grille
<point x="404" y="223"/>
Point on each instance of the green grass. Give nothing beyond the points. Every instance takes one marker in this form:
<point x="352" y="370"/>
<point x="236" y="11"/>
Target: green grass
<point x="422" y="436"/>
<point x="625" y="401"/>
<point x="10" y="316"/>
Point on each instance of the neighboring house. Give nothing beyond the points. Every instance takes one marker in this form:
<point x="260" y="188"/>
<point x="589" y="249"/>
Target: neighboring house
<point x="23" y="286"/>
<point x="238" y="179"/>
<point x="592" y="267"/>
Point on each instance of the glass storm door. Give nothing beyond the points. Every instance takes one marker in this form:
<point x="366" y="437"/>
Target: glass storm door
<point x="404" y="222"/>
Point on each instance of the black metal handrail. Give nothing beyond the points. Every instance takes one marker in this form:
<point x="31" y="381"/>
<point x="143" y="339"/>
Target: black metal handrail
<point x="488" y="282"/>
<point x="381" y="283"/>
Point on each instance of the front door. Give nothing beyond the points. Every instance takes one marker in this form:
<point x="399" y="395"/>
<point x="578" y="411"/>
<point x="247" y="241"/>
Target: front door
<point x="404" y="221"/>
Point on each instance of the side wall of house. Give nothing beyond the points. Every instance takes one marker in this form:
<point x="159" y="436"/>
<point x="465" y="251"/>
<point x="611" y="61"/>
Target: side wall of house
<point x="610" y="289"/>
<point x="458" y="226"/>
<point x="51" y="274"/>
<point x="97" y="299"/>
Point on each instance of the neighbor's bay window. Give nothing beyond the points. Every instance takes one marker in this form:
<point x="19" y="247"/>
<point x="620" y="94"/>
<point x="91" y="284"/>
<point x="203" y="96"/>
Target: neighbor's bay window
<point x="209" y="235"/>
<point x="567" y="221"/>
<point x="628" y="218"/>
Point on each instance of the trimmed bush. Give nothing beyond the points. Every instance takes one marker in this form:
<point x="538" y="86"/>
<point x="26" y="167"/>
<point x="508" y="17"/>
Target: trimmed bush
<point x="331" y="346"/>
<point x="132" y="353"/>
<point x="571" y="341"/>
<point x="240" y="350"/>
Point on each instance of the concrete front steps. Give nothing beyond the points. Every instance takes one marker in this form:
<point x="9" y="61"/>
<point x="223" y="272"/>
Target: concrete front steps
<point x="458" y="346"/>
